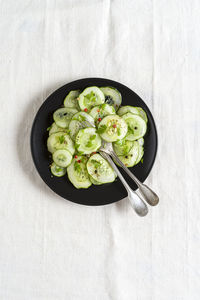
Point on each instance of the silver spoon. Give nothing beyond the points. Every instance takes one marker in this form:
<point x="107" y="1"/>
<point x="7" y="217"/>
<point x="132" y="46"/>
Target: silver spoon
<point x="137" y="203"/>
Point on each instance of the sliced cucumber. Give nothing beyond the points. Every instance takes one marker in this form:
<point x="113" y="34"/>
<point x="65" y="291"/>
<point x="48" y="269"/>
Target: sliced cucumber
<point x="82" y="116"/>
<point x="88" y="140"/>
<point x="122" y="147"/>
<point x="112" y="96"/>
<point x="141" y="142"/>
<point x="71" y="99"/>
<point x="142" y="113"/>
<point x="62" y="158"/>
<point x="57" y="171"/>
<point x="77" y="123"/>
<point x="100" y="111"/>
<point x="137" y="127"/>
<point x="91" y="97"/>
<point x="77" y="173"/>
<point x="112" y="128"/>
<point x="60" y="140"/>
<point x="140" y="154"/>
<point x="94" y="181"/>
<point x="74" y="127"/>
<point x="62" y="116"/>
<point x="125" y="109"/>
<point x="54" y="128"/>
<point x="130" y="159"/>
<point x="134" y="110"/>
<point x="100" y="170"/>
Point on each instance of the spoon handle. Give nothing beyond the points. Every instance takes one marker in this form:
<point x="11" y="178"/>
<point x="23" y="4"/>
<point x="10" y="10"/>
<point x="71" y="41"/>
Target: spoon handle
<point x="149" y="195"/>
<point x="137" y="203"/>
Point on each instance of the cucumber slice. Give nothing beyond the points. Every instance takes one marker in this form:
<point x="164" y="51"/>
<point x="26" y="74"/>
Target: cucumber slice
<point x="112" y="96"/>
<point x="100" y="170"/>
<point x="134" y="110"/>
<point x="77" y="123"/>
<point x="125" y="109"/>
<point x="112" y="128"/>
<point x="130" y="159"/>
<point x="74" y="127"/>
<point x="91" y="97"/>
<point x="60" y="140"/>
<point x="94" y="181"/>
<point x="142" y="113"/>
<point x="54" y="128"/>
<point x="141" y="142"/>
<point x="62" y="158"/>
<point x="140" y="154"/>
<point x="122" y="147"/>
<point x="88" y="140"/>
<point x="137" y="127"/>
<point x="71" y="99"/>
<point x="62" y="116"/>
<point x="100" y="111"/>
<point x="77" y="173"/>
<point x="58" y="171"/>
<point x="83" y="116"/>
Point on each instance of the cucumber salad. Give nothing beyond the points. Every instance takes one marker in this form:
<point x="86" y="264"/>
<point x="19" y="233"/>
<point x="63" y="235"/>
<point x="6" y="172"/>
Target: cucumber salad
<point x="74" y="146"/>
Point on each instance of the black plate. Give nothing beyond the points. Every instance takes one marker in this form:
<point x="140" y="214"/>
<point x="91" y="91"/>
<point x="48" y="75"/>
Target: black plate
<point x="95" y="195"/>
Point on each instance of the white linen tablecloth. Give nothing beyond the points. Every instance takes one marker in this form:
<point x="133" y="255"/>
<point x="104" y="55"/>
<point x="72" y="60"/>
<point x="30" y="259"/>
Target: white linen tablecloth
<point x="52" y="249"/>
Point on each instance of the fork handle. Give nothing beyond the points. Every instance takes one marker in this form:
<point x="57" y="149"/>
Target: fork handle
<point x="149" y="195"/>
<point x="136" y="200"/>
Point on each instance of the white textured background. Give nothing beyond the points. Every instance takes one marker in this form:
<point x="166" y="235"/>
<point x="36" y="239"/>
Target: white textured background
<point x="52" y="249"/>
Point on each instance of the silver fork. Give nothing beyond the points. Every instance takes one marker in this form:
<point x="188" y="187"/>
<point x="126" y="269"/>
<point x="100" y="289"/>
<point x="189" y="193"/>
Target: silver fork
<point x="148" y="195"/>
<point x="137" y="203"/>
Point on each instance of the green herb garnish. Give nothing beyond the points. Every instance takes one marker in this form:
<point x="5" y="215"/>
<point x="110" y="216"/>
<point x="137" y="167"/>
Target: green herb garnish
<point x="59" y="169"/>
<point x="77" y="167"/>
<point x="83" y="157"/>
<point x="126" y="150"/>
<point x="81" y="118"/>
<point x="89" y="144"/>
<point x="80" y="153"/>
<point x="101" y="129"/>
<point x="92" y="137"/>
<point x="96" y="163"/>
<point x="130" y="130"/>
<point x="118" y="131"/>
<point x="49" y="128"/>
<point x="103" y="106"/>
<point x="61" y="139"/>
<point x="142" y="160"/>
<point x="91" y="97"/>
<point x="119" y="142"/>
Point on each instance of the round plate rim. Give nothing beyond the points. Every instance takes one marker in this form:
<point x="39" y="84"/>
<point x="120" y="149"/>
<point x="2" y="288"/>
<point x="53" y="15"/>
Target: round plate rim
<point x="110" y="84"/>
